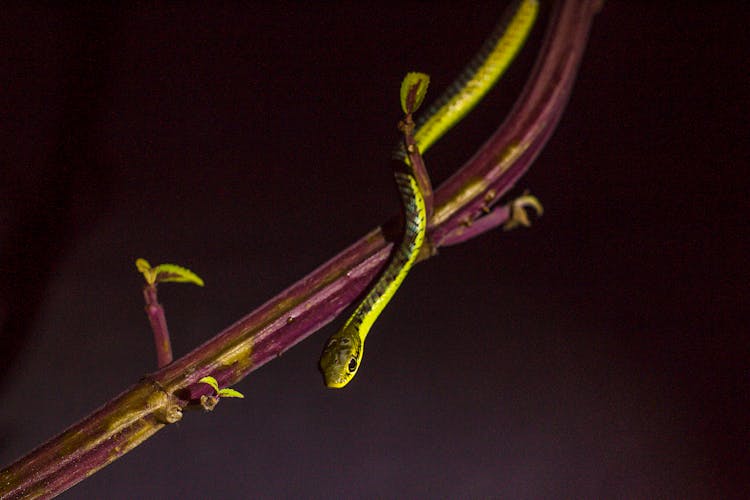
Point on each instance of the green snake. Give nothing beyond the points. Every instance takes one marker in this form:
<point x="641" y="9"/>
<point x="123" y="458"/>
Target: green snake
<point x="342" y="354"/>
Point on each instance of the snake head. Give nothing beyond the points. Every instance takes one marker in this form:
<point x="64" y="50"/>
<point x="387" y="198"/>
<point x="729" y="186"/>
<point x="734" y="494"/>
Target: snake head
<point x="341" y="358"/>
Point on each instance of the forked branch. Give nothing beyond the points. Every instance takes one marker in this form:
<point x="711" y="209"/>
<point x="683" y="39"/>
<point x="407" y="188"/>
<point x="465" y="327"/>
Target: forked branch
<point x="463" y="208"/>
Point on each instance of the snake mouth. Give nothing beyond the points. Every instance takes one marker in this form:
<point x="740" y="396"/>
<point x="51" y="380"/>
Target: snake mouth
<point x="335" y="382"/>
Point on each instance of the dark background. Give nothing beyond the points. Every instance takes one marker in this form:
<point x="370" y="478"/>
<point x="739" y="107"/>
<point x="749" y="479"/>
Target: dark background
<point x="603" y="352"/>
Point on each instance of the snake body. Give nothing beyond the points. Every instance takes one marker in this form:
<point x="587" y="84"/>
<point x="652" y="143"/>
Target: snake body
<point x="342" y="354"/>
<point x="479" y="75"/>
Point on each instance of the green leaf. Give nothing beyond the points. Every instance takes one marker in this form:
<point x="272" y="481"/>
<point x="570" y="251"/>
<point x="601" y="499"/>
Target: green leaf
<point x="145" y="268"/>
<point x="230" y="393"/>
<point x="142" y="265"/>
<point x="210" y="381"/>
<point x="175" y="273"/>
<point x="413" y="79"/>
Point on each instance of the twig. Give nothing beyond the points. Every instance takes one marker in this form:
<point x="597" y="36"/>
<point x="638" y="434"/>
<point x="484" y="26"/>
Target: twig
<point x="410" y="148"/>
<point x="158" y="322"/>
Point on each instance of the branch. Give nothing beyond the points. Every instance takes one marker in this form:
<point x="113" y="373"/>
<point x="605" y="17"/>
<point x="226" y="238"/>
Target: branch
<point x="297" y="312"/>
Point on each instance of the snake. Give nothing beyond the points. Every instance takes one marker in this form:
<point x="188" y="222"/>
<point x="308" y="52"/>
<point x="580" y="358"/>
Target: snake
<point x="342" y="354"/>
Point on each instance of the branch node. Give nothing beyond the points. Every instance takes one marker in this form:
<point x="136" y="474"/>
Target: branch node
<point x="168" y="409"/>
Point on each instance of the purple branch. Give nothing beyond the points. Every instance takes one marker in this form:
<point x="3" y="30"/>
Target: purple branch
<point x="158" y="322"/>
<point x="497" y="216"/>
<point x="315" y="300"/>
<point x="411" y="150"/>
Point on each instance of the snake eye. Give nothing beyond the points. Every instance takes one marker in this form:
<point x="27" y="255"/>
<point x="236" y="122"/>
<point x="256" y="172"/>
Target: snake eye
<point x="352" y="365"/>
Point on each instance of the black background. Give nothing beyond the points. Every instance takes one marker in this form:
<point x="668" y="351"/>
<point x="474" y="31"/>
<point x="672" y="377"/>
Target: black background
<point x="603" y="352"/>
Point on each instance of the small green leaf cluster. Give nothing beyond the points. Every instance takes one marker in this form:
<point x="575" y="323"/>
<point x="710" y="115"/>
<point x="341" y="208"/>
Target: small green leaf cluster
<point x="209" y="402"/>
<point x="413" y="89"/>
<point x="166" y="272"/>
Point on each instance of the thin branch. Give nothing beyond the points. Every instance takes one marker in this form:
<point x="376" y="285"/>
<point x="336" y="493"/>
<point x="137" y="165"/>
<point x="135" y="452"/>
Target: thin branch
<point x="410" y="147"/>
<point x="510" y="215"/>
<point x="158" y="321"/>
<point x="315" y="300"/>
